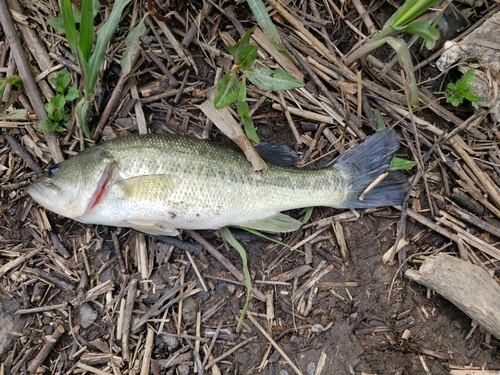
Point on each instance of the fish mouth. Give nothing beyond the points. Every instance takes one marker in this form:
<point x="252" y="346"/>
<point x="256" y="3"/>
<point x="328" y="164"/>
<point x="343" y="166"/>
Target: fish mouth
<point x="101" y="188"/>
<point x="36" y="192"/>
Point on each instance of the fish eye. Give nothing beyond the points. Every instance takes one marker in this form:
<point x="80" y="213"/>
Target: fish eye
<point x="53" y="170"/>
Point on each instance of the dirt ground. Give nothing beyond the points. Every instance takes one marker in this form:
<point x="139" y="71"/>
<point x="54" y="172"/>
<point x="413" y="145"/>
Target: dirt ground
<point x="78" y="298"/>
<point x="352" y="321"/>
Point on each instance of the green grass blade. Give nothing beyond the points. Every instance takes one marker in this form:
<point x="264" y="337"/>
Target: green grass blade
<point x="424" y="30"/>
<point x="379" y="119"/>
<point x="133" y="43"/>
<point x="104" y="35"/>
<point x="87" y="29"/>
<point x="404" y="59"/>
<point x="15" y="115"/>
<point x="69" y="25"/>
<point x="249" y="126"/>
<point x="262" y="235"/>
<point x="368" y="47"/>
<point x="82" y="114"/>
<point x="57" y="24"/>
<point x="410" y="10"/>
<point x="225" y="232"/>
<point x="12" y="80"/>
<point x="73" y="40"/>
<point x="266" y="24"/>
<point x="307" y="216"/>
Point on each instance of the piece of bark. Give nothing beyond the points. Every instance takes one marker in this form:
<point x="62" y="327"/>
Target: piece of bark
<point x="466" y="285"/>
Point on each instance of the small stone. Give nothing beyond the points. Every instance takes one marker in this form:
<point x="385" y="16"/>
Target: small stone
<point x="9" y="322"/>
<point x="136" y="318"/>
<point x="311" y="368"/>
<point x="242" y="357"/>
<point x="296" y="340"/>
<point x="204" y="296"/>
<point x="87" y="315"/>
<point x="171" y="341"/>
<point x="274" y="357"/>
<point x="333" y="303"/>
<point x="183" y="369"/>
<point x="316" y="328"/>
<point x="189" y="309"/>
<point x="225" y="289"/>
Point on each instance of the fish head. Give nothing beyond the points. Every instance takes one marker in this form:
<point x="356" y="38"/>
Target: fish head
<point x="74" y="186"/>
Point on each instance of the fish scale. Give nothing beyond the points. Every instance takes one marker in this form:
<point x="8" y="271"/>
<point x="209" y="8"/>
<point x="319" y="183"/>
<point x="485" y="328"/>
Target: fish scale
<point x="160" y="183"/>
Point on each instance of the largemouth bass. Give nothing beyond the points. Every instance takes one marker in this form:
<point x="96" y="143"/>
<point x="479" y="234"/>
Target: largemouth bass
<point x="160" y="183"/>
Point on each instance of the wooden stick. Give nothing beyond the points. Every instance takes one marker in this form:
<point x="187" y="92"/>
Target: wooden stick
<point x="275" y="344"/>
<point x="127" y="319"/>
<point x="27" y="76"/>
<point x="18" y="261"/>
<point x="46" y="349"/>
<point x="148" y="349"/>
<point x="205" y="11"/>
<point x="470" y="218"/>
<point x="339" y="234"/>
<point x="311" y="282"/>
<point x="17" y="148"/>
<point x="34" y="310"/>
<point x="312" y="39"/>
<point x="181" y="295"/>
<point x="226" y="263"/>
<point x="306" y="114"/>
<point x="365" y="16"/>
<point x="288" y="117"/>
<point x="470" y="239"/>
<point x="175" y="44"/>
<point x="229" y="352"/>
<point x="197" y="271"/>
<point x="212" y="343"/>
<point x="466" y="285"/>
<point x="139" y="113"/>
<point x="93" y="370"/>
<point x="489" y="187"/>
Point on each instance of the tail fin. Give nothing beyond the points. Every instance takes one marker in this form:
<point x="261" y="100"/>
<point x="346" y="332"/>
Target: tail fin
<point x="365" y="163"/>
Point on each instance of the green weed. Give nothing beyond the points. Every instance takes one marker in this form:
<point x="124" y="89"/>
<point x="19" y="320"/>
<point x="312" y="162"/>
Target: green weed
<point x="402" y="20"/>
<point x="88" y="46"/>
<point x="57" y="110"/>
<point x="228" y="236"/>
<point x="12" y="80"/>
<point x="462" y="89"/>
<point x="398" y="164"/>
<point x="232" y="88"/>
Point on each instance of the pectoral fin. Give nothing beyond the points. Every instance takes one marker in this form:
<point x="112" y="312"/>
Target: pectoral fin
<point x="275" y="224"/>
<point x="148" y="186"/>
<point x="151" y="226"/>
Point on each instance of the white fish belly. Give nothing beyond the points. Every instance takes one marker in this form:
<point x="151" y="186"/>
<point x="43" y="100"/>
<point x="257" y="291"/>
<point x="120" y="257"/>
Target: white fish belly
<point x="192" y="203"/>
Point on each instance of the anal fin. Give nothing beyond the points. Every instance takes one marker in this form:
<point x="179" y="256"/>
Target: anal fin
<point x="153" y="227"/>
<point x="275" y="224"/>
